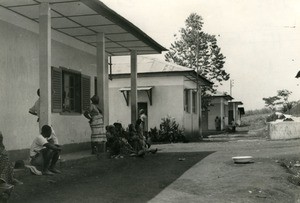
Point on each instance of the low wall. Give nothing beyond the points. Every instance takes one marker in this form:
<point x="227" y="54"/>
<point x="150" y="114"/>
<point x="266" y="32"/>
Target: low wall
<point x="284" y="130"/>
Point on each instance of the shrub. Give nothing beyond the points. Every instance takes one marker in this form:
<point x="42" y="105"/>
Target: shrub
<point x="153" y="134"/>
<point x="272" y="117"/>
<point x="169" y="131"/>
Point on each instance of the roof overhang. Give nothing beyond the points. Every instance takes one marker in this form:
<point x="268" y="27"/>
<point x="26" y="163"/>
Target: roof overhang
<point x="227" y="97"/>
<point x="83" y="19"/>
<point x="298" y="75"/>
<point x="143" y="88"/>
<point x="241" y="110"/>
<point x="147" y="89"/>
<point x="236" y="102"/>
<point x="193" y="76"/>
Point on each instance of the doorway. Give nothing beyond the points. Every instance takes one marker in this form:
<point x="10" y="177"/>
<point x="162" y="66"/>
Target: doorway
<point x="144" y="105"/>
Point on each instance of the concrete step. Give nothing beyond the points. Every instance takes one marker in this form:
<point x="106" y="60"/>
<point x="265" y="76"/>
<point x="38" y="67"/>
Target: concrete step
<point x="66" y="160"/>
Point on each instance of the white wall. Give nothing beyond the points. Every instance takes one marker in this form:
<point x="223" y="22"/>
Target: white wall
<point x="19" y="80"/>
<point x="167" y="99"/>
<point x="283" y="130"/>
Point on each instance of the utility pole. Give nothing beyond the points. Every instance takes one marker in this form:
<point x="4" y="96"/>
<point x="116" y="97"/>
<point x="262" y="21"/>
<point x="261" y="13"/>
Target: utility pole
<point x="231" y="85"/>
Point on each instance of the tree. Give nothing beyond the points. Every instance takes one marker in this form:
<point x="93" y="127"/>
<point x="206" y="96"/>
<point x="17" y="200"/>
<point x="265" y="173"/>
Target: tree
<point x="271" y="102"/>
<point x="282" y="98"/>
<point x="198" y="50"/>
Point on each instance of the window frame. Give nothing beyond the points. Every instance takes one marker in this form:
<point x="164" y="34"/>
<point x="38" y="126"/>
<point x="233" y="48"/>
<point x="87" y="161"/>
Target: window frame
<point x="82" y="91"/>
<point x="77" y="102"/>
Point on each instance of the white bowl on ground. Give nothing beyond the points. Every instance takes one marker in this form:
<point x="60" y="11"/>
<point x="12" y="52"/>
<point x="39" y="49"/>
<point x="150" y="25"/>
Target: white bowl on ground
<point x="242" y="159"/>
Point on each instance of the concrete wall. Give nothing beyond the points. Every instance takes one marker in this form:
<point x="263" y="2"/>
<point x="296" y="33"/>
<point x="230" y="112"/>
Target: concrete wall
<point x="283" y="130"/>
<point x="167" y="99"/>
<point x="19" y="80"/>
<point x="215" y="110"/>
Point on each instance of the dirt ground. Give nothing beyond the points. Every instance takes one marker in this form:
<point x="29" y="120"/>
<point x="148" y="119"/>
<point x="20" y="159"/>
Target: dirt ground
<point x="108" y="180"/>
<point x="217" y="179"/>
<point x="182" y="172"/>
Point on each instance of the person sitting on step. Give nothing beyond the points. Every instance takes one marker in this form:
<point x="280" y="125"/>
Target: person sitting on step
<point x="44" y="154"/>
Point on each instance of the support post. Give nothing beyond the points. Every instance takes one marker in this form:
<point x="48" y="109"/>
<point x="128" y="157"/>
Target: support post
<point x="234" y="111"/>
<point x="102" y="78"/>
<point x="199" y="99"/>
<point x="133" y="92"/>
<point x="45" y="64"/>
<point x="222" y="114"/>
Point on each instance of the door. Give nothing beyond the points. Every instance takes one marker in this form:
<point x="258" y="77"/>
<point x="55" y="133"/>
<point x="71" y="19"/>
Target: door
<point x="144" y="105"/>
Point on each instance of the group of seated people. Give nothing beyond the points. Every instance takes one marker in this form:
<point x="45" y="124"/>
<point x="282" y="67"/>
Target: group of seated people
<point x="133" y="141"/>
<point x="45" y="150"/>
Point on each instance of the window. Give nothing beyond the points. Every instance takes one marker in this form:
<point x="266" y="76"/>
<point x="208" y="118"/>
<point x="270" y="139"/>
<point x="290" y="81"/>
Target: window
<point x="194" y="102"/>
<point x="70" y="91"/>
<point x="186" y="100"/>
<point x="71" y="83"/>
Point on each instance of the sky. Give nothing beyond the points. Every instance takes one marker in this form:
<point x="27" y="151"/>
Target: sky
<point x="260" y="39"/>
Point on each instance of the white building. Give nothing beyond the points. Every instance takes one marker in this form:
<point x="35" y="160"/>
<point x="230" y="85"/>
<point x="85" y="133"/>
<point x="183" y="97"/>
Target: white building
<point x="218" y="108"/>
<point x="235" y="111"/>
<point x="164" y="89"/>
<point x="58" y="46"/>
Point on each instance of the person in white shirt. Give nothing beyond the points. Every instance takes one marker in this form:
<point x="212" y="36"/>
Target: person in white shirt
<point x="44" y="154"/>
<point x="35" y="110"/>
<point x="143" y="118"/>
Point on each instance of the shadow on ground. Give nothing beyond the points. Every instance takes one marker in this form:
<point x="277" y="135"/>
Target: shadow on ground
<point x="109" y="180"/>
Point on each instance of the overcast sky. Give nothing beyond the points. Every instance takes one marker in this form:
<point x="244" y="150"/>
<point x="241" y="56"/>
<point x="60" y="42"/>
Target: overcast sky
<point x="260" y="39"/>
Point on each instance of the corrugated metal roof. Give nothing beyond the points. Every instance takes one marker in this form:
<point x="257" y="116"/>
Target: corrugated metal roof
<point x="83" y="19"/>
<point x="148" y="65"/>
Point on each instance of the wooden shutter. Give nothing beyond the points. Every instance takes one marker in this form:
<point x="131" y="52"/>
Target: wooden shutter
<point x="85" y="92"/>
<point x="56" y="84"/>
<point x="95" y="86"/>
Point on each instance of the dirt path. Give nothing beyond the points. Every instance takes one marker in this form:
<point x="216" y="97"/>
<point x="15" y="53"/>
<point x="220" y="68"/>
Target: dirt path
<point x="218" y="179"/>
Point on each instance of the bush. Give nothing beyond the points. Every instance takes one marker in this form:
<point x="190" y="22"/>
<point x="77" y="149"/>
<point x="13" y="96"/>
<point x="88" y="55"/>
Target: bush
<point x="154" y="135"/>
<point x="272" y="117"/>
<point x="169" y="131"/>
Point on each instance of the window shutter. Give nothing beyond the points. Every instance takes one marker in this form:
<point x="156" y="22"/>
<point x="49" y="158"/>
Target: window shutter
<point x="95" y="86"/>
<point x="86" y="91"/>
<point x="56" y="84"/>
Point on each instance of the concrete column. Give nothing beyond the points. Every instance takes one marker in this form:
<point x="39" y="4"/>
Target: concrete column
<point x="199" y="110"/>
<point x="234" y="111"/>
<point x="45" y="64"/>
<point x="133" y="92"/>
<point x="222" y="113"/>
<point x="102" y="77"/>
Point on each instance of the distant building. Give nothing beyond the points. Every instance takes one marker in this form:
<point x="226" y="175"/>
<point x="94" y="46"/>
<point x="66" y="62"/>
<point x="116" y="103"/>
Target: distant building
<point x="219" y="107"/>
<point x="235" y="111"/>
<point x="164" y="89"/>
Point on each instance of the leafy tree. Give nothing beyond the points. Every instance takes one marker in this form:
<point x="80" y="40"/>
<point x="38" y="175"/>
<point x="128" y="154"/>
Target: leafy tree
<point x="198" y="50"/>
<point x="282" y="98"/>
<point x="271" y="102"/>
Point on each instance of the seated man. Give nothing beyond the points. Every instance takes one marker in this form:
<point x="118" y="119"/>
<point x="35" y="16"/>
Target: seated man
<point x="44" y="154"/>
